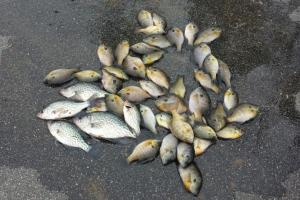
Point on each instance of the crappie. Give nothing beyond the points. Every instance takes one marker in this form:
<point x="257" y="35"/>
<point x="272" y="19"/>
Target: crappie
<point x="168" y="149"/>
<point x="60" y="76"/>
<point x="82" y="92"/>
<point x="67" y="134"/>
<point x="62" y="109"/>
<point x="149" y="120"/>
<point x="103" y="125"/>
<point x="145" y="151"/>
<point x="132" y="117"/>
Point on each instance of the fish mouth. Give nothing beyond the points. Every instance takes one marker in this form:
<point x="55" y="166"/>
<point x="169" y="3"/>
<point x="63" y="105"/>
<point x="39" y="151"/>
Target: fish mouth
<point x="40" y="115"/>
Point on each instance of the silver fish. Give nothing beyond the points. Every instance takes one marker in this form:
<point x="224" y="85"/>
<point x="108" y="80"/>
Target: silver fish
<point x="211" y="65"/>
<point x="134" y="66"/>
<point x="145" y="18"/>
<point x="243" y="113"/>
<point x="190" y="32"/>
<point x="60" y="76"/>
<point x="200" y="53"/>
<point x="191" y="178"/>
<point x="168" y="149"/>
<point x="122" y="51"/>
<point x="230" y="99"/>
<point x="103" y="125"/>
<point x="204" y="132"/>
<point x="175" y="36"/>
<point x="145" y="151"/>
<point x="62" y="109"/>
<point x="105" y="55"/>
<point x="132" y="117"/>
<point x="133" y="94"/>
<point x="151" y="88"/>
<point x="208" y="35"/>
<point x="224" y="73"/>
<point x="82" y="92"/>
<point x="143" y="48"/>
<point x="160" y="41"/>
<point x="110" y="83"/>
<point x="148" y="116"/>
<point x="185" y="154"/>
<point x="67" y="134"/>
<point x="199" y="103"/>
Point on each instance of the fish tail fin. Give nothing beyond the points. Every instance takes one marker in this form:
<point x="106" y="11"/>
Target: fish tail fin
<point x="138" y="30"/>
<point x="94" y="151"/>
<point x="94" y="101"/>
<point x="87" y="148"/>
<point x="130" y="159"/>
<point x="216" y="89"/>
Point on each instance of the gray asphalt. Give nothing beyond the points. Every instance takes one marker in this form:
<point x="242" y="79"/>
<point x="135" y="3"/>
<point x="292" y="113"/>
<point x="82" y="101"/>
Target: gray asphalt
<point x="260" y="43"/>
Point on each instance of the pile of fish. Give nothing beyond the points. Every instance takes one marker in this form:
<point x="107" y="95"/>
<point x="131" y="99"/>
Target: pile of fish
<point x="108" y="111"/>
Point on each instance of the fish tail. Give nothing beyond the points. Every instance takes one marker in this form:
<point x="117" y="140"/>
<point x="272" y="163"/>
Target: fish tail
<point x="138" y="30"/>
<point x="215" y="88"/>
<point x="87" y="148"/>
<point x="130" y="159"/>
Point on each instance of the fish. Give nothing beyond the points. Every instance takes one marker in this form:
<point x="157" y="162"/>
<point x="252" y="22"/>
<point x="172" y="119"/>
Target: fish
<point x="205" y="80"/>
<point x="217" y="118"/>
<point x="158" y="76"/>
<point x="62" y="109"/>
<point x="99" y="106"/>
<point x="178" y="88"/>
<point x="60" y="76"/>
<point x="152" y="57"/>
<point x="133" y="94"/>
<point x="185" y="154"/>
<point x="168" y="149"/>
<point x="200" y="53"/>
<point x="151" y="88"/>
<point x="143" y="48"/>
<point x="199" y="103"/>
<point x="175" y="36"/>
<point x="204" y="132"/>
<point x="181" y="129"/>
<point x="211" y="65"/>
<point x="67" y="134"/>
<point x="134" y="66"/>
<point x="230" y="99"/>
<point x="159" y="21"/>
<point x="230" y="132"/>
<point x="169" y="103"/>
<point x="105" y="55"/>
<point x="132" y="117"/>
<point x="122" y="51"/>
<point x="200" y="146"/>
<point x="103" y="125"/>
<point x="87" y="76"/>
<point x="164" y="120"/>
<point x="145" y="18"/>
<point x="82" y="92"/>
<point x="160" y="41"/>
<point x="190" y="32"/>
<point x="110" y="83"/>
<point x="208" y="35"/>
<point x="191" y="178"/>
<point x="117" y="72"/>
<point x="145" y="151"/>
<point x="243" y="113"/>
<point x="149" y="120"/>
<point x="224" y="73"/>
<point x="114" y="104"/>
<point x="150" y="30"/>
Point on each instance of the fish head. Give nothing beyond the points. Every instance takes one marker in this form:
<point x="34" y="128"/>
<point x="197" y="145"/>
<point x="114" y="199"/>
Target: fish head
<point x="192" y="27"/>
<point x="82" y="121"/>
<point x="195" y="184"/>
<point x="216" y="31"/>
<point x="40" y="115"/>
<point x="67" y="92"/>
<point x="125" y="43"/>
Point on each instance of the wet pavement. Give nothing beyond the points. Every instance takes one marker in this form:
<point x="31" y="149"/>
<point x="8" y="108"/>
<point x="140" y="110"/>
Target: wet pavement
<point x="260" y="43"/>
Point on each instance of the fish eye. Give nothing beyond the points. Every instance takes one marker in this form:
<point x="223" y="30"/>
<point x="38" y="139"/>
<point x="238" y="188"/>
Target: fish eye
<point x="127" y="93"/>
<point x="201" y="95"/>
<point x="195" y="180"/>
<point x="114" y="81"/>
<point x="53" y="77"/>
<point x="165" y="100"/>
<point x="194" y="26"/>
<point x="105" y="48"/>
<point x="128" y="107"/>
<point x="112" y="100"/>
<point x="92" y="75"/>
<point x="213" y="29"/>
<point x="153" y="37"/>
<point x="134" y="68"/>
<point x="173" y="30"/>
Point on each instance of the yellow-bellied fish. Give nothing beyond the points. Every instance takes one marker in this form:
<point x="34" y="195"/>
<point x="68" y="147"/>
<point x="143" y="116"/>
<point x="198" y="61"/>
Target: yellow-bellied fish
<point x="160" y="41"/>
<point x="134" y="66"/>
<point x="243" y="113"/>
<point x="185" y="154"/>
<point x="168" y="149"/>
<point x="151" y="88"/>
<point x="190" y="32"/>
<point x="216" y="119"/>
<point x="87" y="76"/>
<point x="181" y="129"/>
<point x="175" y="36"/>
<point x="105" y="55"/>
<point x="191" y="178"/>
<point x="178" y="87"/>
<point x="110" y="83"/>
<point x="114" y="103"/>
<point x="205" y="80"/>
<point x="60" y="76"/>
<point x="148" y="116"/>
<point x="230" y="99"/>
<point x="158" y="76"/>
<point x="208" y="35"/>
<point x="133" y="94"/>
<point x="122" y="51"/>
